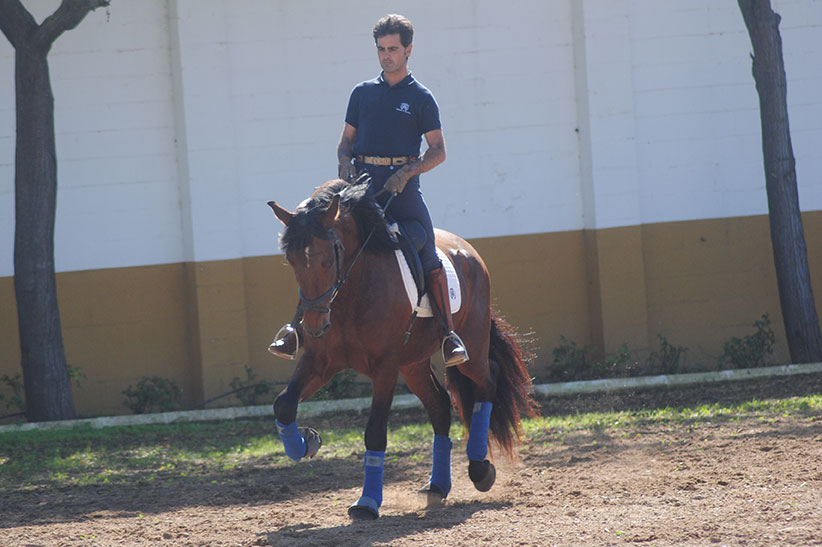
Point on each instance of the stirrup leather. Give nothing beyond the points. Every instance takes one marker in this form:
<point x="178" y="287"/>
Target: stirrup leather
<point x="285" y="330"/>
<point x="456" y="340"/>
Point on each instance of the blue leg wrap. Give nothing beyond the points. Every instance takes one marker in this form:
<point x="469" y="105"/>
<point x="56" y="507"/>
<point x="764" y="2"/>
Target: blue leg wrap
<point x="477" y="447"/>
<point x="441" y="469"/>
<point x="373" y="464"/>
<point x="293" y="442"/>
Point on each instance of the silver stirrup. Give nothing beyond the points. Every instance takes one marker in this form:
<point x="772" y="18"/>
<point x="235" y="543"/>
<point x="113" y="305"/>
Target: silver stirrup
<point x="453" y="335"/>
<point x="287" y="329"/>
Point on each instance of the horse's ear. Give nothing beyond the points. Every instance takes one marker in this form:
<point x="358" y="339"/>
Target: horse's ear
<point x="284" y="215"/>
<point x="331" y="213"/>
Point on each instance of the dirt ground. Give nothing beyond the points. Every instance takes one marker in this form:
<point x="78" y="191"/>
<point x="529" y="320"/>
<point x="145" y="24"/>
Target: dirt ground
<point x="755" y="481"/>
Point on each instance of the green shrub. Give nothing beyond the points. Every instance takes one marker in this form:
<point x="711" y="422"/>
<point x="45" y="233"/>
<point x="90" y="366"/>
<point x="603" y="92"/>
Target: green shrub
<point x="17" y="400"/>
<point x="619" y="364"/>
<point x="76" y="375"/>
<point x="667" y="360"/>
<point x="343" y="386"/>
<point x="250" y="391"/>
<point x="153" y="394"/>
<point x="573" y="363"/>
<point x="570" y="361"/>
<point x="749" y="351"/>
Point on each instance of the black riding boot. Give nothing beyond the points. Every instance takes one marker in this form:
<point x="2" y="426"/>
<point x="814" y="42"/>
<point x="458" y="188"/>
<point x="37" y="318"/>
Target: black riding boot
<point x="454" y="351"/>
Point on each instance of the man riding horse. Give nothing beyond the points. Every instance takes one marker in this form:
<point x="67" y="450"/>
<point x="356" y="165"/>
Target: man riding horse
<point x="384" y="125"/>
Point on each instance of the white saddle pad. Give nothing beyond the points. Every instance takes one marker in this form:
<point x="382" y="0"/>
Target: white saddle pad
<point x="424" y="309"/>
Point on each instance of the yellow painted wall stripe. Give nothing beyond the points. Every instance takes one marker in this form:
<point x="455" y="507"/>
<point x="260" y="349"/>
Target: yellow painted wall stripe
<point x="697" y="283"/>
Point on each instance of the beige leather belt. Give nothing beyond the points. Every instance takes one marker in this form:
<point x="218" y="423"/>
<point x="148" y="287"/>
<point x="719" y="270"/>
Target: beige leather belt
<point x="378" y="160"/>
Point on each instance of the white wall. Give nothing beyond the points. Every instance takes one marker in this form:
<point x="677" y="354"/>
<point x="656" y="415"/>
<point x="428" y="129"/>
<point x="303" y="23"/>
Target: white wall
<point x="266" y="85"/>
<point x="118" y="202"/>
<point x="697" y="114"/>
<point x="177" y="120"/>
<point x="673" y="111"/>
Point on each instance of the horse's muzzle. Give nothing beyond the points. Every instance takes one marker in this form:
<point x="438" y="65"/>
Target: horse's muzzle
<point x="319" y="332"/>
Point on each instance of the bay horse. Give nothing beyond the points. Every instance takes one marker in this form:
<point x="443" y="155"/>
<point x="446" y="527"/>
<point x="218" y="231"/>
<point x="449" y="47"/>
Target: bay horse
<point x="355" y="313"/>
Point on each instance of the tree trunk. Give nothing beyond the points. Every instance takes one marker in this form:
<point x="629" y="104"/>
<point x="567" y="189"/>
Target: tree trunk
<point x="45" y="374"/>
<point x="787" y="235"/>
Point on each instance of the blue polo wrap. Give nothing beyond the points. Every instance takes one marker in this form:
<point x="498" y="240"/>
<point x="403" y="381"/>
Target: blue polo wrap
<point x="441" y="469"/>
<point x="373" y="464"/>
<point x="293" y="442"/>
<point x="477" y="447"/>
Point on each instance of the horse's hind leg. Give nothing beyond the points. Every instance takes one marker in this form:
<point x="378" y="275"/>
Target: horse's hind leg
<point x="481" y="372"/>
<point x="376" y="439"/>
<point x="423" y="382"/>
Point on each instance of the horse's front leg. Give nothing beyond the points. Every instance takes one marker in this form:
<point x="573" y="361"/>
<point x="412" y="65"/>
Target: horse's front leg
<point x="376" y="440"/>
<point x="297" y="442"/>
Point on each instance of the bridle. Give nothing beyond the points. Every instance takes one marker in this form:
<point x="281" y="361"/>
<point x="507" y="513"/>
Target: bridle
<point x="323" y="302"/>
<point x="315" y="304"/>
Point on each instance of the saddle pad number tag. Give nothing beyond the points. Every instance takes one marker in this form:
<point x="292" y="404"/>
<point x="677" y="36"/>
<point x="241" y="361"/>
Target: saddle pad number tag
<point x="454" y="293"/>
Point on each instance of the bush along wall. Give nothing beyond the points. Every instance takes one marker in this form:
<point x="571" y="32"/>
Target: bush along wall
<point x="574" y="363"/>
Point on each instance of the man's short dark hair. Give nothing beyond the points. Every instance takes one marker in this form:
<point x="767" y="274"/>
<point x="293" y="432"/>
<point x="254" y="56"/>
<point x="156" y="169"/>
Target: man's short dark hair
<point x="395" y="24"/>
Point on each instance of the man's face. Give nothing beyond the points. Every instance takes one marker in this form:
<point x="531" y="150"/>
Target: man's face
<point x="392" y="55"/>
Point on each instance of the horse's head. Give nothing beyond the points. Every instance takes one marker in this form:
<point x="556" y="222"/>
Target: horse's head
<point x="338" y="215"/>
<point x="315" y="252"/>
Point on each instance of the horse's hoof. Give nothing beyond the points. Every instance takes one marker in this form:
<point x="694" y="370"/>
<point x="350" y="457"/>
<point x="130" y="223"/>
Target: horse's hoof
<point x="364" y="509"/>
<point x="435" y="497"/>
<point x="313" y="441"/>
<point x="482" y="474"/>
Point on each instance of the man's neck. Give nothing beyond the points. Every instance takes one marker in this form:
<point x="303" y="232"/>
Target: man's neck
<point x="395" y="77"/>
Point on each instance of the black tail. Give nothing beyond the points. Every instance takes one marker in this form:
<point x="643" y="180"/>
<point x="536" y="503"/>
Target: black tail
<point x="508" y="361"/>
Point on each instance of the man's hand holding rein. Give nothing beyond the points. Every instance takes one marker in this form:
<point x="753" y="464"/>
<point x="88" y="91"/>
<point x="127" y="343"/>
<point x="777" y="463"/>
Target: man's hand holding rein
<point x="396" y="182"/>
<point x="346" y="169"/>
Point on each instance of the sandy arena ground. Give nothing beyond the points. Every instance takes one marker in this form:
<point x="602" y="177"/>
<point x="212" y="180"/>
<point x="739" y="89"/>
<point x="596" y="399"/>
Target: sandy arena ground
<point x="748" y="482"/>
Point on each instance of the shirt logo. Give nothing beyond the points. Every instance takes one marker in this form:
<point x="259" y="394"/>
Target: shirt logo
<point x="405" y="108"/>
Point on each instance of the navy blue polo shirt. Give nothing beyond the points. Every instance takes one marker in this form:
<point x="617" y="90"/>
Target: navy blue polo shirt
<point x="391" y="120"/>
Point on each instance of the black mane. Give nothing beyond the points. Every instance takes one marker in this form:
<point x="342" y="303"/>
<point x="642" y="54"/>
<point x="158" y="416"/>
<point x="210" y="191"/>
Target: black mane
<point x="354" y="200"/>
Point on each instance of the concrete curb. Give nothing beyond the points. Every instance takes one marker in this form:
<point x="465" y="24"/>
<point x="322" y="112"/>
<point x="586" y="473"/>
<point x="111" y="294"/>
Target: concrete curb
<point x="617" y="384"/>
<point x="317" y="408"/>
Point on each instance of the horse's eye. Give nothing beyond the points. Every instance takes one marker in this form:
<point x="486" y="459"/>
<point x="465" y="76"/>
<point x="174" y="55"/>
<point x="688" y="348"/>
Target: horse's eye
<point x="327" y="264"/>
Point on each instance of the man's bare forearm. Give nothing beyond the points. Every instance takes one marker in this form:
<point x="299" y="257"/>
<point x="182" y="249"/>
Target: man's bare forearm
<point x="345" y="149"/>
<point x="432" y="157"/>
